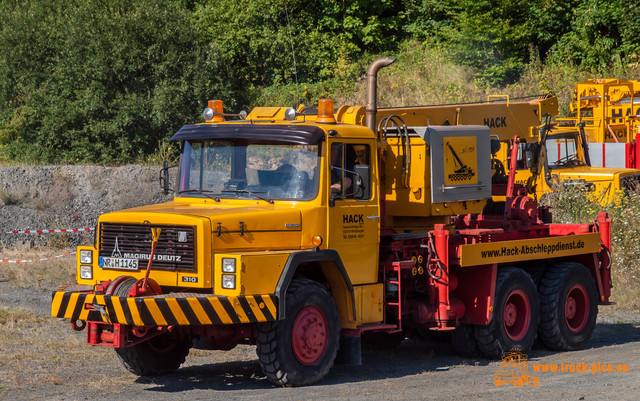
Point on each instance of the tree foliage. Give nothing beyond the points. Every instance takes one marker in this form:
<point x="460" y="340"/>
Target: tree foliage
<point x="97" y="81"/>
<point x="273" y="42"/>
<point x="601" y="33"/>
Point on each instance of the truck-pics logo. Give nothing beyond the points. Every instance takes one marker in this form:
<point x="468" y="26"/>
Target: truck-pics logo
<point x="513" y="370"/>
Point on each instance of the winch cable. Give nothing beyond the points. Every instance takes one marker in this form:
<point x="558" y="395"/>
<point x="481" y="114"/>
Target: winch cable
<point x="155" y="234"/>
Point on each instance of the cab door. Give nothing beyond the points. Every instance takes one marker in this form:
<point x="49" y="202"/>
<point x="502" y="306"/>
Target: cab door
<point x="353" y="213"/>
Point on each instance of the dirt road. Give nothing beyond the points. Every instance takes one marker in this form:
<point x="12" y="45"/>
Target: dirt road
<point x="41" y="358"/>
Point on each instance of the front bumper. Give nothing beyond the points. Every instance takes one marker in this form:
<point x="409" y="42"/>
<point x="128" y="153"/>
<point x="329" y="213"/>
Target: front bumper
<point x="79" y="303"/>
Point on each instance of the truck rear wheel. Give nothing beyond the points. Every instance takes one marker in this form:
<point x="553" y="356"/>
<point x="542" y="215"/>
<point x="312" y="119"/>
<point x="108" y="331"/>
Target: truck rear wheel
<point x="568" y="307"/>
<point x="301" y="349"/>
<point x="158" y="356"/>
<point x="515" y="315"/>
<point x="464" y="341"/>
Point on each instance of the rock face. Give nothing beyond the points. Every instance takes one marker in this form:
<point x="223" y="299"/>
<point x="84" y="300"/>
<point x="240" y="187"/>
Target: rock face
<point x="49" y="197"/>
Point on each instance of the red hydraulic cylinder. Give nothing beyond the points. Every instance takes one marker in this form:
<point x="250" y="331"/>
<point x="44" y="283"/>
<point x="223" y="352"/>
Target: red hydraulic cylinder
<point x="442" y="284"/>
<point x="604" y="225"/>
<point x="636" y="148"/>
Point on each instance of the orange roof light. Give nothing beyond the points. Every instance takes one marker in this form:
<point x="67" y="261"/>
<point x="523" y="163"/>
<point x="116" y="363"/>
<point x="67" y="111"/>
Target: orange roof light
<point x="325" y="112"/>
<point x="216" y="106"/>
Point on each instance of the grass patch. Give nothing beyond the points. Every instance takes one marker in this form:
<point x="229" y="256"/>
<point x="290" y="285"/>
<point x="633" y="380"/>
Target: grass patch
<point x="47" y="274"/>
<point x="9" y="198"/>
<point x="11" y="317"/>
<point x="42" y="352"/>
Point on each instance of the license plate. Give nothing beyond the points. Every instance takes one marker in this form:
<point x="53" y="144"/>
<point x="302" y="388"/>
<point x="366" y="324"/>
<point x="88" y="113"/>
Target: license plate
<point x="118" y="263"/>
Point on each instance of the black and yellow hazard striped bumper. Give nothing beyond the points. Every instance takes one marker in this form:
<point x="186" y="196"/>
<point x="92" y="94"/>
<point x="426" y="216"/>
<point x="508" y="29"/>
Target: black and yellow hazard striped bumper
<point x="163" y="310"/>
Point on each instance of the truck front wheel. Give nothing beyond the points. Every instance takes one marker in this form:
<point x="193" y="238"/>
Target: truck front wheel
<point x="515" y="315"/>
<point x="158" y="356"/>
<point x="301" y="349"/>
<point x="568" y="307"/>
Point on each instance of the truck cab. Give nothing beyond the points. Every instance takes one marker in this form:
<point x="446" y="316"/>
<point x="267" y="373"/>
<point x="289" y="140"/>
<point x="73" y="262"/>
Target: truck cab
<point x="608" y="111"/>
<point x="565" y="162"/>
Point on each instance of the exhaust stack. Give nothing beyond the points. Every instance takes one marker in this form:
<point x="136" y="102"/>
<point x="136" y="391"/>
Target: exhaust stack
<point x="372" y="89"/>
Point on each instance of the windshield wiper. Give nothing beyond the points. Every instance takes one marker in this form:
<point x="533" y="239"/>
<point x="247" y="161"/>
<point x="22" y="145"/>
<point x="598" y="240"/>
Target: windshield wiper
<point x="569" y="160"/>
<point x="200" y="191"/>
<point x="246" y="191"/>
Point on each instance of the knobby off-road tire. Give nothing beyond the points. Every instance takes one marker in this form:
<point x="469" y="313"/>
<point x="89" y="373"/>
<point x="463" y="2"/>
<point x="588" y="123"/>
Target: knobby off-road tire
<point x="515" y="315"/>
<point x="301" y="349"/>
<point x="568" y="307"/>
<point x="158" y="356"/>
<point x="464" y="341"/>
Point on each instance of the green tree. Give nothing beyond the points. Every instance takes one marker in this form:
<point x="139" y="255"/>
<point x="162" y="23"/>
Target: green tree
<point x="428" y="19"/>
<point x="498" y="36"/>
<point x="269" y="42"/>
<point x="99" y="81"/>
<point x="602" y="32"/>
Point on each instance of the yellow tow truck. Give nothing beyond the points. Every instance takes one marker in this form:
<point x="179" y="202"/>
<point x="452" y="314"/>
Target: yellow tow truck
<point x="298" y="233"/>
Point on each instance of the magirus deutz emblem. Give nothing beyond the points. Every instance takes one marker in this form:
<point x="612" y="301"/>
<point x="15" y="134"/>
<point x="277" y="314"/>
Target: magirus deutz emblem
<point x="117" y="261"/>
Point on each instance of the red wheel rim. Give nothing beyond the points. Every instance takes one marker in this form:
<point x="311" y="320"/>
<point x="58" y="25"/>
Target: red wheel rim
<point x="516" y="315"/>
<point x="161" y="344"/>
<point x="309" y="335"/>
<point x="576" y="308"/>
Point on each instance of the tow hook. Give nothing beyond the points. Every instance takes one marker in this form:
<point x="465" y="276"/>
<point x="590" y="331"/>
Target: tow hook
<point x="78" y="325"/>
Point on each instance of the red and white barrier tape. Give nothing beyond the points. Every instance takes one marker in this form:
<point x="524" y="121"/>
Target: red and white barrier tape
<point x="37" y="260"/>
<point x="57" y="230"/>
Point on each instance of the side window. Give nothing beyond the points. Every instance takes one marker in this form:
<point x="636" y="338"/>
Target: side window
<point x="350" y="171"/>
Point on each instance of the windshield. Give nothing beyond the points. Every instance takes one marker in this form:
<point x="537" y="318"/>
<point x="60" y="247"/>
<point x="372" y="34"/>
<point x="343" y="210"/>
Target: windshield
<point x="237" y="169"/>
<point x="563" y="151"/>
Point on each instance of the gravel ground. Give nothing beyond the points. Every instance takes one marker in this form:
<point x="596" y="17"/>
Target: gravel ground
<point x="42" y="358"/>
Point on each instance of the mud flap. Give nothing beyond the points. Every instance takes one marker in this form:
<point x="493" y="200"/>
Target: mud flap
<point x="350" y="351"/>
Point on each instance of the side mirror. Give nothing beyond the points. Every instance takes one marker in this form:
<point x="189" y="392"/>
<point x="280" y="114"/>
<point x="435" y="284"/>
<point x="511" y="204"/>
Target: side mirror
<point x="528" y="157"/>
<point x="495" y="146"/>
<point x="362" y="184"/>
<point x="164" y="177"/>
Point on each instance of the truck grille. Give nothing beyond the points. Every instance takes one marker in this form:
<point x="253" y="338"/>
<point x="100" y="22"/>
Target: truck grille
<point x="175" y="249"/>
